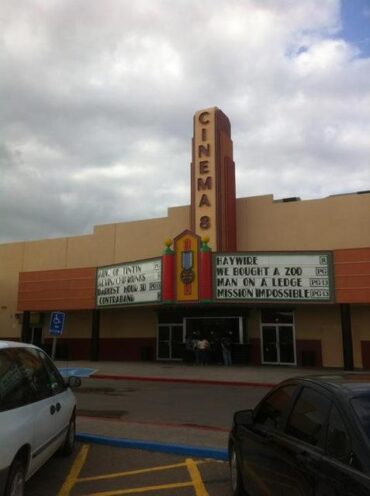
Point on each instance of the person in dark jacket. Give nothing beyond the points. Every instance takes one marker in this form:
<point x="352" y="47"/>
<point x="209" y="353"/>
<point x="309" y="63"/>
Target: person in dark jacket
<point x="226" y="350"/>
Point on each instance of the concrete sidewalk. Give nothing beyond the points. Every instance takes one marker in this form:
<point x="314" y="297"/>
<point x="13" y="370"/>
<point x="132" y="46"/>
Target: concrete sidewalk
<point x="181" y="372"/>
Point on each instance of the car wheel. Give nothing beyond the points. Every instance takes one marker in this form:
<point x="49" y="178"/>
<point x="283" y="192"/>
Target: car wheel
<point x="69" y="443"/>
<point x="16" y="479"/>
<point x="236" y="480"/>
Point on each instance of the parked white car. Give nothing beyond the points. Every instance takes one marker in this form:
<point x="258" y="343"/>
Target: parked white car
<point x="37" y="414"/>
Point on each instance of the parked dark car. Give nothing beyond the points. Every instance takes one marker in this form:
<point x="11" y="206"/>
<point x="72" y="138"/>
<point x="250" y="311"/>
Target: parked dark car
<point x="308" y="437"/>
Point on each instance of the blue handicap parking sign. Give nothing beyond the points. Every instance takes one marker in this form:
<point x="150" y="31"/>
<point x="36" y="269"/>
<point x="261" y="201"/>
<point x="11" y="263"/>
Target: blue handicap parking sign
<point x="56" y="323"/>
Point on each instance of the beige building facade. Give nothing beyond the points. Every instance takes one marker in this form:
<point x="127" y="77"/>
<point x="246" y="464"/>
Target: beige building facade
<point x="127" y="294"/>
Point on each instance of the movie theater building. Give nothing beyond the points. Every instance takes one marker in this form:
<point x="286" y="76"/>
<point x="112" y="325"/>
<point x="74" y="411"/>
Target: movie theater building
<point x="287" y="280"/>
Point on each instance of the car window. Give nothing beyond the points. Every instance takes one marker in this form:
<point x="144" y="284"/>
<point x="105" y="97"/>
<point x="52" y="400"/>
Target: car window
<point x="14" y="387"/>
<point x="308" y="417"/>
<point x="35" y="371"/>
<point x="56" y="380"/>
<point x="338" y="443"/>
<point x="361" y="405"/>
<point x="272" y="410"/>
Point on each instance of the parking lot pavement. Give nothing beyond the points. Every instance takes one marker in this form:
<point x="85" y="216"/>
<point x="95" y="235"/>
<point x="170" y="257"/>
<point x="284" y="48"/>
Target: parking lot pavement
<point x="193" y="414"/>
<point x="152" y="432"/>
<point x="107" y="471"/>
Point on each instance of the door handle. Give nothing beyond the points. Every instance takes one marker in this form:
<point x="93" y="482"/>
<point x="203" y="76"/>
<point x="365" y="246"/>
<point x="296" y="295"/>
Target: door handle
<point x="52" y="409"/>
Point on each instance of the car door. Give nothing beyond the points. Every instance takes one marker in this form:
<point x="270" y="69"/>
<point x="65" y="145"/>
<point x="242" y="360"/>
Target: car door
<point x="16" y="410"/>
<point x="262" y="465"/>
<point x="47" y="425"/>
<point x="302" y="443"/>
<point x="64" y="399"/>
<point x="342" y="473"/>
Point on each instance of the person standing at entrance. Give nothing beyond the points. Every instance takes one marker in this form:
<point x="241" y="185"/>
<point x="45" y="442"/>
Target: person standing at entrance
<point x="203" y="346"/>
<point x="226" y="350"/>
<point x="196" y="348"/>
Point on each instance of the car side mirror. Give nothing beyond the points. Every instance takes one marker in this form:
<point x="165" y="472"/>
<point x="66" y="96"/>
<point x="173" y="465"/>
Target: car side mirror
<point x="73" y="381"/>
<point x="244" y="418"/>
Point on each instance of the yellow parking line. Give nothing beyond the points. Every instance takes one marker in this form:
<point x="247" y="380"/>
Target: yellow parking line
<point x="196" y="478"/>
<point x="72" y="477"/>
<point x="146" y="489"/>
<point x="133" y="472"/>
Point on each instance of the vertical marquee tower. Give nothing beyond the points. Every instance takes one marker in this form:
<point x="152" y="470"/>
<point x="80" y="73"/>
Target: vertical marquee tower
<point x="213" y="202"/>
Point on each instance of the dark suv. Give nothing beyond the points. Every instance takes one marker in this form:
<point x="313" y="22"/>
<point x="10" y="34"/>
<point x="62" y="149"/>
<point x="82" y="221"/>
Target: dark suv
<point x="308" y="437"/>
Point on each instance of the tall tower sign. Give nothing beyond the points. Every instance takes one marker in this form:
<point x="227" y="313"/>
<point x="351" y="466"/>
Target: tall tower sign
<point x="213" y="180"/>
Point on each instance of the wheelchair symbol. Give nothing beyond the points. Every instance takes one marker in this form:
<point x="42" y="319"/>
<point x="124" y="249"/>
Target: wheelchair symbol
<point x="57" y="320"/>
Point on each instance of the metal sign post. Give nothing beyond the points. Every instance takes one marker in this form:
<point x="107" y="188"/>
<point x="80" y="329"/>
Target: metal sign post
<point x="56" y="329"/>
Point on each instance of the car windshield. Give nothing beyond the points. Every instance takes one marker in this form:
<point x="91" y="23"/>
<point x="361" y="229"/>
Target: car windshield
<point x="361" y="405"/>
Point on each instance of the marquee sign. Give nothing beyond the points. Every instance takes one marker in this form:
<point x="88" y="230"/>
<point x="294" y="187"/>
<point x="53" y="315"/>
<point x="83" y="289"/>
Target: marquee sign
<point x="273" y="276"/>
<point x="129" y="283"/>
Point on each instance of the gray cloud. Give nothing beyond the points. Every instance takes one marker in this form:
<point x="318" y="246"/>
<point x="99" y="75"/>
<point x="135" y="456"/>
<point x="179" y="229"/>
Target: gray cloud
<point x="97" y="100"/>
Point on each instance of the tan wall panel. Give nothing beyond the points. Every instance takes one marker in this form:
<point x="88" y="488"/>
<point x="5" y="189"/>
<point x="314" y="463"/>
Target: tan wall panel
<point x="138" y="240"/>
<point x="360" y="318"/>
<point x="330" y="223"/>
<point x="254" y="324"/>
<point x="145" y="239"/>
<point x="128" y="323"/>
<point x="11" y="261"/>
<point x="11" y="258"/>
<point x="93" y="250"/>
<point x="177" y="221"/>
<point x="322" y="322"/>
<point x="10" y="326"/>
<point x="76" y="325"/>
<point x="46" y="254"/>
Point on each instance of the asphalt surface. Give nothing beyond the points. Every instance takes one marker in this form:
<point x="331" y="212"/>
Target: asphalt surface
<point x="117" y="425"/>
<point x="108" y="471"/>
<point x="181" y="413"/>
<point x="163" y="429"/>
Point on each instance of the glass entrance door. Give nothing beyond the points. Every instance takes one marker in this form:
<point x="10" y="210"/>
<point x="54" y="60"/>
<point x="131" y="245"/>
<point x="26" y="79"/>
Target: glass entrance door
<point x="170" y="342"/>
<point x="286" y="345"/>
<point x="269" y="340"/>
<point x="278" y="344"/>
<point x="277" y="336"/>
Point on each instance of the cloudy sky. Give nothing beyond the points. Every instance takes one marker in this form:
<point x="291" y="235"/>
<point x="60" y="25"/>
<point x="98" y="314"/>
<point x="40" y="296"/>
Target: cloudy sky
<point x="97" y="101"/>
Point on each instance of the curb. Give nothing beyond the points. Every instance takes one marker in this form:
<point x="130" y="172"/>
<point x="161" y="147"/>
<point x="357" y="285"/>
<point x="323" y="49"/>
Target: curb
<point x="181" y="380"/>
<point x="175" y="449"/>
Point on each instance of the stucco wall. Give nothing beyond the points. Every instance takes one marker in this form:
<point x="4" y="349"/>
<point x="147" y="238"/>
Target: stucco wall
<point x="360" y="320"/>
<point x="325" y="224"/>
<point x="11" y="261"/>
<point x="128" y="323"/>
<point x="254" y="323"/>
<point x="321" y="322"/>
<point x="262" y="224"/>
<point x="109" y="244"/>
